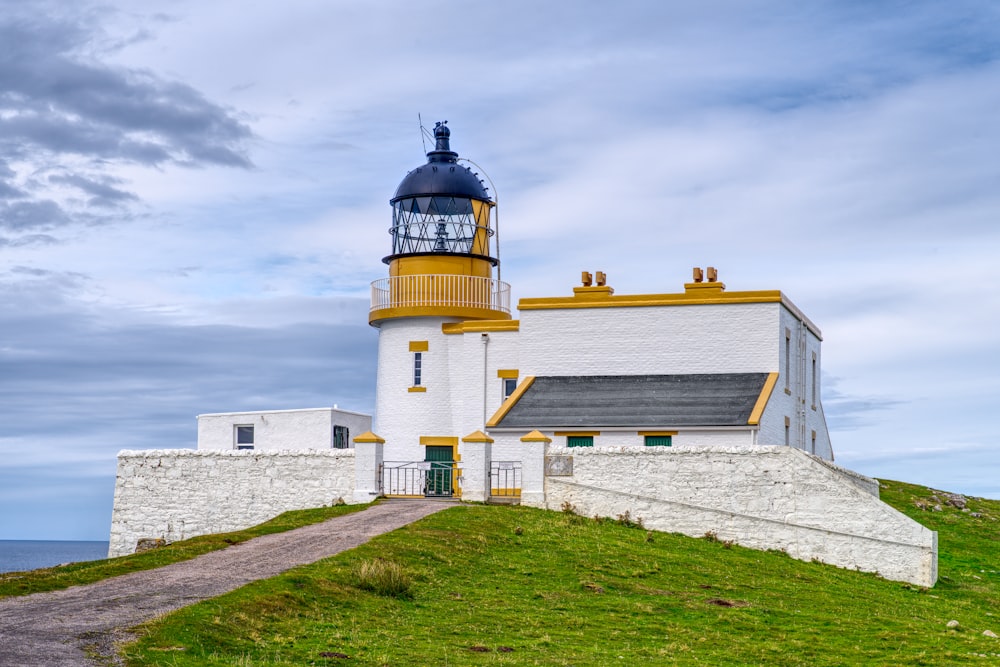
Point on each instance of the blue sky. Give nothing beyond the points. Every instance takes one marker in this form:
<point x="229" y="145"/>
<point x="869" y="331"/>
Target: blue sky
<point x="194" y="200"/>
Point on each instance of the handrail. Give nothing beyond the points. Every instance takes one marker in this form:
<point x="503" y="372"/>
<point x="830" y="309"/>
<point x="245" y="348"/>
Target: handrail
<point x="440" y="290"/>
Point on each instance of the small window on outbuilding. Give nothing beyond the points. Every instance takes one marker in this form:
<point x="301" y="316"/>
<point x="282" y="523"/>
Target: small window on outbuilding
<point x="341" y="437"/>
<point x="579" y="441"/>
<point x="244" y="436"/>
<point x="658" y="440"/>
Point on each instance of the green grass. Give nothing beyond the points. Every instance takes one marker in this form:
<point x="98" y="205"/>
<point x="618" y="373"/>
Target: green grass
<point x="73" y="574"/>
<point x="516" y="586"/>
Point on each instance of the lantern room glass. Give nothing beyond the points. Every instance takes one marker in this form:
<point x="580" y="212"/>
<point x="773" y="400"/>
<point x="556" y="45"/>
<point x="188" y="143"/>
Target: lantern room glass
<point x="441" y="224"/>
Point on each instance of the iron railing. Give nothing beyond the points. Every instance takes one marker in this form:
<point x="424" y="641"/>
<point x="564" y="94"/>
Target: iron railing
<point x="505" y="478"/>
<point x="437" y="290"/>
<point x="426" y="479"/>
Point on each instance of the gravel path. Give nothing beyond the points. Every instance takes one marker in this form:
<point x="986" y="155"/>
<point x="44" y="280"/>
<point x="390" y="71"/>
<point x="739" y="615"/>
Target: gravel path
<point x="53" y="628"/>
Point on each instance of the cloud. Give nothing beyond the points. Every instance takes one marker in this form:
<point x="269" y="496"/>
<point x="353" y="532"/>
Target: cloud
<point x="68" y="120"/>
<point x="103" y="193"/>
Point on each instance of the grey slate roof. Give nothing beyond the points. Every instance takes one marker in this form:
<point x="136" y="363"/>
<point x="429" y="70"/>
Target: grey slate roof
<point x="717" y="399"/>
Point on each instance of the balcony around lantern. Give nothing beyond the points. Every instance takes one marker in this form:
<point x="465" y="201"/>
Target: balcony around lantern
<point x="440" y="295"/>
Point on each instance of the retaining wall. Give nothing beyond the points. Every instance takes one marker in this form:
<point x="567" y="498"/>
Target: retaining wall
<point x="761" y="497"/>
<point x="177" y="494"/>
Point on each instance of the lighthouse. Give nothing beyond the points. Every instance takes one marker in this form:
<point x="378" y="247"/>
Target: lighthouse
<point x="442" y="265"/>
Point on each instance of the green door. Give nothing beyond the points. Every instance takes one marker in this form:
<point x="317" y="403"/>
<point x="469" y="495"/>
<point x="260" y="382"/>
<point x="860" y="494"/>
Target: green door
<point x="439" y="474"/>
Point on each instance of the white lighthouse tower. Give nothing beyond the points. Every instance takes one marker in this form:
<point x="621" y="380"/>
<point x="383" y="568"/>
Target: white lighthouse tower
<point x="441" y="272"/>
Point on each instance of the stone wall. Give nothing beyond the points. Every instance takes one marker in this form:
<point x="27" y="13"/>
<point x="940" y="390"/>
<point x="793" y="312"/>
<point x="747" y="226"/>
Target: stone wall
<point x="762" y="498"/>
<point x="177" y="494"/>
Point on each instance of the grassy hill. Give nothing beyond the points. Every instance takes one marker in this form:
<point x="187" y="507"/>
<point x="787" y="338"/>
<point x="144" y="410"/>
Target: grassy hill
<point x="482" y="585"/>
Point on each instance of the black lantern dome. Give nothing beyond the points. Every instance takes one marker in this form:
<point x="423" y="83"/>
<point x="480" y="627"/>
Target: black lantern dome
<point x="441" y="208"/>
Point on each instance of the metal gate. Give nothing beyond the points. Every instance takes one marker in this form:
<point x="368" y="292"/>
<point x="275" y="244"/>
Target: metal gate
<point x="418" y="479"/>
<point x="505" y="479"/>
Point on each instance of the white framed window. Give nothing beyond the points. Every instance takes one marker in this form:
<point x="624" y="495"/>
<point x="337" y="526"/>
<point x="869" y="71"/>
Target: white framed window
<point x="508" y="385"/>
<point x="418" y="363"/>
<point x="243" y="436"/>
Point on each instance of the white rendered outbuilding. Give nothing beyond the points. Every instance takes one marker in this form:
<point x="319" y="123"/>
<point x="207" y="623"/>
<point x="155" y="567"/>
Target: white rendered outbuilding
<point x="282" y="430"/>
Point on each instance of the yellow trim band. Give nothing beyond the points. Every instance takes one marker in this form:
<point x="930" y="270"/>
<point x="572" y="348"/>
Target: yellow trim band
<point x="439" y="441"/>
<point x="700" y="297"/>
<point x="765" y="396"/>
<point x="656" y="433"/>
<point x="417" y="390"/>
<point x="510" y="402"/>
<point x="507" y="373"/>
<point x="464" y="312"/>
<point x="580" y="433"/>
<point x="418" y="346"/>
<point x="482" y="326"/>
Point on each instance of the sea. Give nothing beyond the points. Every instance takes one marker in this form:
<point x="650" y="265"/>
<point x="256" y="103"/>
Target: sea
<point x="20" y="555"/>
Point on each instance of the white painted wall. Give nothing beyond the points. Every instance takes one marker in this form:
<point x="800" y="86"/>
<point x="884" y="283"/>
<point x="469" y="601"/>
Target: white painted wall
<point x="281" y="430"/>
<point x="717" y="338"/>
<point x="176" y="494"/>
<point x="761" y="497"/>
<point x="459" y="376"/>
<point x="793" y="396"/>
<point x="403" y="416"/>
<point x="474" y="367"/>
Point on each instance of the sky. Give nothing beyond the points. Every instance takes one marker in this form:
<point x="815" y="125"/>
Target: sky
<point x="194" y="201"/>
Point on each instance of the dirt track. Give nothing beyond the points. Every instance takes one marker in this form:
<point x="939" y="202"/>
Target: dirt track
<point x="48" y="629"/>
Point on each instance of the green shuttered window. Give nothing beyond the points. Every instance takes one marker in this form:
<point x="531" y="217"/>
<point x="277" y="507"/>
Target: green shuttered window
<point x="579" y="441"/>
<point x="659" y="440"/>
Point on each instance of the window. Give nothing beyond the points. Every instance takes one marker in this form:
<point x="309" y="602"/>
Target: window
<point x="658" y="440"/>
<point x="244" y="436"/>
<point x="418" y="347"/>
<point x="579" y="441"/>
<point x="508" y="381"/>
<point x="509" y="385"/>
<point x="788" y="361"/>
<point x="341" y="437"/>
<point x="814" y="381"/>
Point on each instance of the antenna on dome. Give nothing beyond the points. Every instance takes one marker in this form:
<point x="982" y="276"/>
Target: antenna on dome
<point x="424" y="133"/>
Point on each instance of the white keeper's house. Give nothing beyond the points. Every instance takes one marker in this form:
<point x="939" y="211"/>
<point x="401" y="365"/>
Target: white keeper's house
<point x="696" y="409"/>
<point x="699" y="366"/>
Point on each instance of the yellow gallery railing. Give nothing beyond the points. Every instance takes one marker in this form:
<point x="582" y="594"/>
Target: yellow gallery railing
<point x="440" y="290"/>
